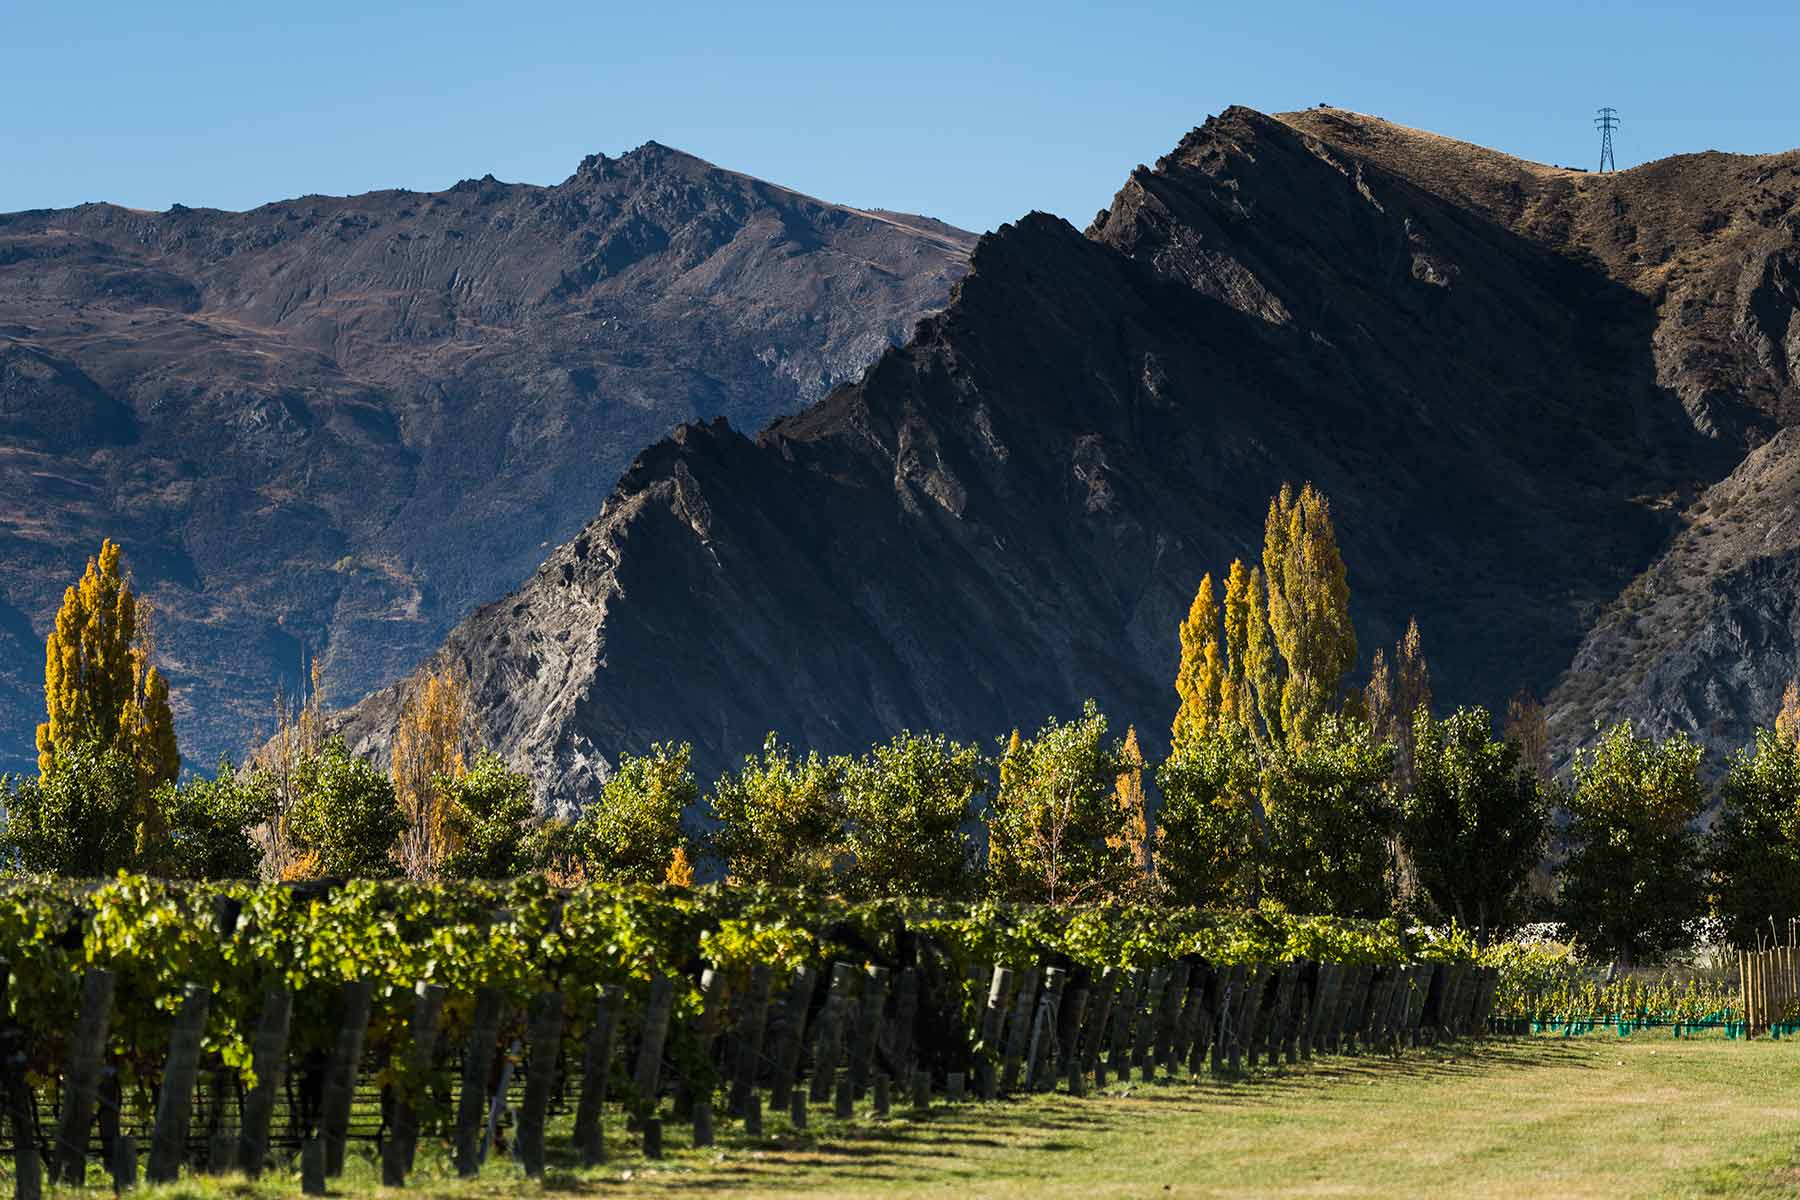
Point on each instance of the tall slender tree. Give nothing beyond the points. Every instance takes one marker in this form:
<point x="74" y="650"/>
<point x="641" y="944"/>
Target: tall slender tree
<point x="1309" y="607"/>
<point x="102" y="688"/>
<point x="1200" y="679"/>
<point x="1135" y="838"/>
<point x="427" y="760"/>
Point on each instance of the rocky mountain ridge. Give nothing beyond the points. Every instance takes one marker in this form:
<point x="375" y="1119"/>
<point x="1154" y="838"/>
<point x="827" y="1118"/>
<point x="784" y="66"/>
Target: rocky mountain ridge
<point x="1512" y="380"/>
<point x="329" y="427"/>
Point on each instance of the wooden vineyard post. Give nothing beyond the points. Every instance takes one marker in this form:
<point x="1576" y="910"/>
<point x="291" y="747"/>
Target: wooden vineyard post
<point x="1285" y="1032"/>
<point x="544" y="1044"/>
<point x="1143" y="1015"/>
<point x="596" y="1070"/>
<point x="790" y="1039"/>
<point x="1415" y="1004"/>
<point x="1040" y="1054"/>
<point x="1368" y="1025"/>
<point x="647" y="1079"/>
<point x="1205" y="1020"/>
<point x="992" y="1017"/>
<point x="1247" y="1008"/>
<point x="831" y="1031"/>
<point x="753" y="1126"/>
<point x="703" y="1122"/>
<point x="1187" y="1022"/>
<point x="81" y="1077"/>
<point x="868" y="1029"/>
<point x="1223" y="1033"/>
<point x="1744" y="983"/>
<point x="268" y="1060"/>
<point x="356" y="997"/>
<point x="1168" y="1015"/>
<point x="1340" y="1008"/>
<point x="1099" y="1010"/>
<point x="883" y="1096"/>
<point x="221" y="1147"/>
<point x="1125" y="1019"/>
<point x="1018" y="1029"/>
<point x="715" y="997"/>
<point x="1307" y="978"/>
<point x="752" y="1021"/>
<point x="16" y="1105"/>
<point x="478" y="1059"/>
<point x="312" y="1167"/>
<point x="123" y="1163"/>
<point x="175" y="1103"/>
<point x="403" y="1139"/>
<point x="1074" y="1008"/>
<point x="1324" y="998"/>
<point x="906" y="1016"/>
<point x="844" y="1103"/>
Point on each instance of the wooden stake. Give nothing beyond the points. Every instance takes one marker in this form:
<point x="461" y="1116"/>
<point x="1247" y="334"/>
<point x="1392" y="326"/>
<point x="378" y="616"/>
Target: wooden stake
<point x="175" y="1103"/>
<point x="355" y="999"/>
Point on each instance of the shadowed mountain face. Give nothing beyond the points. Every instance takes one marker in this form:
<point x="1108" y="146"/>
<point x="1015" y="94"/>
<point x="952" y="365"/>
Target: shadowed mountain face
<point x="332" y="426"/>
<point x="1510" y="379"/>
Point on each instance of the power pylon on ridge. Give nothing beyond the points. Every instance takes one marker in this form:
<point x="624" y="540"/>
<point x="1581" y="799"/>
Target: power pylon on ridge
<point x="1606" y="122"/>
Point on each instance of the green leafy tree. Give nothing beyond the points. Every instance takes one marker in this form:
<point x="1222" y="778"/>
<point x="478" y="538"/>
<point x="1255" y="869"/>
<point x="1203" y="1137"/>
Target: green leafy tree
<point x="635" y="828"/>
<point x="346" y="818"/>
<point x="1055" y="831"/>
<point x="1473" y="821"/>
<point x="1633" y="878"/>
<point x="1753" y="856"/>
<point x="494" y="827"/>
<point x="211" y="825"/>
<point x="907" y="807"/>
<point x="1208" y="845"/>
<point x="780" y="818"/>
<point x="1330" y="821"/>
<point x="80" y="817"/>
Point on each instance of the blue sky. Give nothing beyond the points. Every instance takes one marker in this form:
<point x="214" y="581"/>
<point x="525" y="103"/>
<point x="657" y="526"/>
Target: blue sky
<point x="972" y="112"/>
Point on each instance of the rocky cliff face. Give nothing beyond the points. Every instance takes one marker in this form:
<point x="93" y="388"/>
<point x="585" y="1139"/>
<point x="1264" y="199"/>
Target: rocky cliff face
<point x="1511" y="380"/>
<point x="331" y="426"/>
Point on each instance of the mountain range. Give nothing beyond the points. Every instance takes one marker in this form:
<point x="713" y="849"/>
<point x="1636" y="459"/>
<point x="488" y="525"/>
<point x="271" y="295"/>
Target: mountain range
<point x="326" y="429"/>
<point x="1550" y="409"/>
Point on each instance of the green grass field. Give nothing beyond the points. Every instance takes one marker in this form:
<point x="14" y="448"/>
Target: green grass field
<point x="1595" y="1116"/>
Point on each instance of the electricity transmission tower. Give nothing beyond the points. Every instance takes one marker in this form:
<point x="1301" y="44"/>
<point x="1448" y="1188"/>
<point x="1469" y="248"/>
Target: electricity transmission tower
<point x="1606" y="122"/>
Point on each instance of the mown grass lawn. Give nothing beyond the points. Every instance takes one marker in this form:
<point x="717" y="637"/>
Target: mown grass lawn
<point x="1540" y="1117"/>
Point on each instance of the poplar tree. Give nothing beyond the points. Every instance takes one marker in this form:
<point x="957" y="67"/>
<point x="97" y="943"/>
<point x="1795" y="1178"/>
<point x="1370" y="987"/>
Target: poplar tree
<point x="1395" y="695"/>
<point x="1287" y="640"/>
<point x="427" y="762"/>
<point x="1135" y="837"/>
<point x="1527" y="726"/>
<point x="1200" y="678"/>
<point x="102" y="690"/>
<point x="1308" y="608"/>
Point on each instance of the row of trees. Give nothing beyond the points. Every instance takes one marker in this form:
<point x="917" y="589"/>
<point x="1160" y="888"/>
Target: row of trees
<point x="1282" y="785"/>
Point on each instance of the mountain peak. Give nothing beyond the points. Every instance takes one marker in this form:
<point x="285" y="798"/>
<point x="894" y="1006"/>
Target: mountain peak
<point x="1010" y="512"/>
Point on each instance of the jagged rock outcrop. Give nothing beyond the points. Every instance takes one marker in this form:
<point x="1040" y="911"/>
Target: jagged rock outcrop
<point x="1707" y="639"/>
<point x="333" y="425"/>
<point x="1510" y="378"/>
